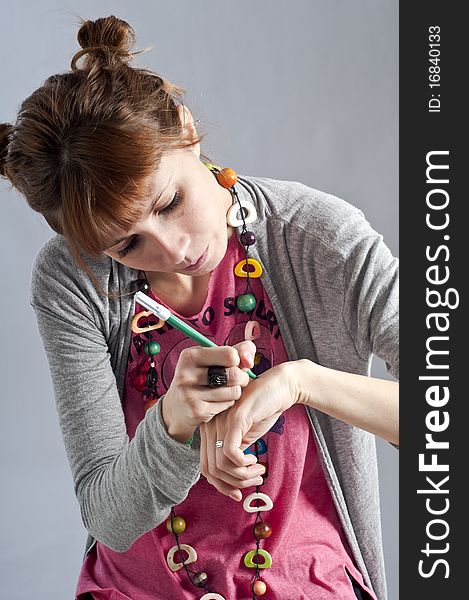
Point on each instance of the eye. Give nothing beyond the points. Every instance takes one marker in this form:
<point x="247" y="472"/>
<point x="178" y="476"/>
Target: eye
<point x="134" y="242"/>
<point x="172" y="205"/>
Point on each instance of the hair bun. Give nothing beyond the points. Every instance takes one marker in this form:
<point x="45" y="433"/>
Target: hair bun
<point x="105" y="39"/>
<point x="5" y="132"/>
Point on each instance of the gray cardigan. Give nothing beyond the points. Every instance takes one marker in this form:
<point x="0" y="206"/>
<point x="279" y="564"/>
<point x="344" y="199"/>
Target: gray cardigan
<point x="334" y="287"/>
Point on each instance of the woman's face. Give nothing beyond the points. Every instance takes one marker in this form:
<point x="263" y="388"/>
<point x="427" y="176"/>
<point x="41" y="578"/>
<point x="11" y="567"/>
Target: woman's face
<point x="187" y="221"/>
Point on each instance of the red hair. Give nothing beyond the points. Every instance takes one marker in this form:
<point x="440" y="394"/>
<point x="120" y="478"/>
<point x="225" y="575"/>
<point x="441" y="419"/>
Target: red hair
<point x="85" y="142"/>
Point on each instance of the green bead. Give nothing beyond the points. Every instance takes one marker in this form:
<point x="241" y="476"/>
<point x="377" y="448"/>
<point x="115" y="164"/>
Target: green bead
<point x="246" y="302"/>
<point x="175" y="525"/>
<point x="152" y="348"/>
<point x="211" y="166"/>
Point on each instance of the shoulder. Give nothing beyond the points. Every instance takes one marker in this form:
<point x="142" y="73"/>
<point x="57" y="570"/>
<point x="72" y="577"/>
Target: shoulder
<point x="55" y="254"/>
<point x="55" y="277"/>
<point x="54" y="262"/>
<point x="309" y="214"/>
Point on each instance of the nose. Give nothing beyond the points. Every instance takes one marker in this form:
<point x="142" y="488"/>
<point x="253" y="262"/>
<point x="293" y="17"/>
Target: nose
<point x="172" y="246"/>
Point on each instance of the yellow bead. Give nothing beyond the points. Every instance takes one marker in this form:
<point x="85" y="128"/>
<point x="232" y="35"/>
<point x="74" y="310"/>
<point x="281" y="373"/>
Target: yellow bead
<point x="178" y="525"/>
<point x="254" y="271"/>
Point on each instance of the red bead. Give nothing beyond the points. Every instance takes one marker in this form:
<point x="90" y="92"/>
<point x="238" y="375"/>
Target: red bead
<point x="227" y="178"/>
<point x="248" y="238"/>
<point x="149" y="403"/>
<point x="259" y="588"/>
<point x="262" y="530"/>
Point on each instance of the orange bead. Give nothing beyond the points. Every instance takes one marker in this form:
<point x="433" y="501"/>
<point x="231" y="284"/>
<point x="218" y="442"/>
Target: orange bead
<point x="227" y="178"/>
<point x="149" y="403"/>
<point x="259" y="588"/>
<point x="262" y="530"/>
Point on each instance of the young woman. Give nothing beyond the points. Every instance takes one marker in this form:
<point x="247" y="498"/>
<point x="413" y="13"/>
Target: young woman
<point x="195" y="479"/>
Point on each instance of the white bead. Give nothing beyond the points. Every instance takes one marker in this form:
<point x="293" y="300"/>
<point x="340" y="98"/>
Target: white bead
<point x="176" y="566"/>
<point x="212" y="596"/>
<point x="257" y="496"/>
<point x="232" y="214"/>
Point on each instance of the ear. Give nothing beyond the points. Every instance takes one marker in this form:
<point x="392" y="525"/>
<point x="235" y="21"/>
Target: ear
<point x="188" y="127"/>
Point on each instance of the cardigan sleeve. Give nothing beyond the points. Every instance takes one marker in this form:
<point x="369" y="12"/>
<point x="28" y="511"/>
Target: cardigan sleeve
<point x="371" y="294"/>
<point x="124" y="488"/>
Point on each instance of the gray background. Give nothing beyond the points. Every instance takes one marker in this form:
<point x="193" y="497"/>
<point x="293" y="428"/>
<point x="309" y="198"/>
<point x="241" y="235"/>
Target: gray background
<point x="300" y="90"/>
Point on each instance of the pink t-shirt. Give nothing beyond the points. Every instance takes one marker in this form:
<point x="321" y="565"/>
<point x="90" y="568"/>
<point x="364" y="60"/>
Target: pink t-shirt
<point x="310" y="553"/>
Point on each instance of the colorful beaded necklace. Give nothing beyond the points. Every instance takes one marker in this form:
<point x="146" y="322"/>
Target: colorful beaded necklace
<point x="241" y="213"/>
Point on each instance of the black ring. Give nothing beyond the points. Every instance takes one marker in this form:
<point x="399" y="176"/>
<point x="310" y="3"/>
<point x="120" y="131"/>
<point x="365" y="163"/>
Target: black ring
<point x="217" y="376"/>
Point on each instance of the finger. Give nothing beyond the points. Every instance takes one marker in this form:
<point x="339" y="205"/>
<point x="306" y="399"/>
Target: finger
<point x="224" y="356"/>
<point x="224" y="393"/>
<point x="199" y="376"/>
<point x="210" y="464"/>
<point x="247" y="352"/>
<point x="234" y="438"/>
<point x="226" y="476"/>
<point x="228" y="490"/>
<point x="203" y="449"/>
<point x="228" y="487"/>
<point x="226" y="469"/>
<point x="252" y="477"/>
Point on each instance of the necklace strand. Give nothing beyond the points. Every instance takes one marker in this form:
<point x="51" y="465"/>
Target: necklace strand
<point x="246" y="303"/>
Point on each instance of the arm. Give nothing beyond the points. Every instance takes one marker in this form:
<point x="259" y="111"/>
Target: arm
<point x="359" y="287"/>
<point x="370" y="313"/>
<point x="124" y="488"/>
<point x="365" y="402"/>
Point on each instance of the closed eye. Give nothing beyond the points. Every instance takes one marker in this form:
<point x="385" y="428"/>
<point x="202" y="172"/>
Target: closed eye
<point x="134" y="242"/>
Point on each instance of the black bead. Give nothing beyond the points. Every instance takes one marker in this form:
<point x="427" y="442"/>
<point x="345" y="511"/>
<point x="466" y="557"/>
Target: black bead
<point x="152" y="377"/>
<point x="200" y="579"/>
<point x="139" y="285"/>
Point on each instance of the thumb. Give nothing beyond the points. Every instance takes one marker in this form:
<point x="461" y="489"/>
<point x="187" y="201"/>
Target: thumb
<point x="247" y="352"/>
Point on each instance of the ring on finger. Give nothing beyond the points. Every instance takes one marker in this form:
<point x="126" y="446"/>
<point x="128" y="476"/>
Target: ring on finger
<point x="216" y="376"/>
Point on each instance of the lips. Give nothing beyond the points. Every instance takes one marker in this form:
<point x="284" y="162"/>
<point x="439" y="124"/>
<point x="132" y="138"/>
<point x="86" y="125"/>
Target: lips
<point x="198" y="263"/>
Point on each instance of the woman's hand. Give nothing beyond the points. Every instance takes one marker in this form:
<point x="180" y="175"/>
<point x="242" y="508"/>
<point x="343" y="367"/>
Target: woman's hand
<point x="189" y="401"/>
<point x="226" y="476"/>
<point x="261" y="403"/>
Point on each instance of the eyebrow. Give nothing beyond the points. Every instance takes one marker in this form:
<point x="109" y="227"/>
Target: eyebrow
<point x="154" y="203"/>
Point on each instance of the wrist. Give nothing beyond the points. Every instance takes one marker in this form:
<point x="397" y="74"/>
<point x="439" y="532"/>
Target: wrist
<point x="307" y="377"/>
<point x="174" y="430"/>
